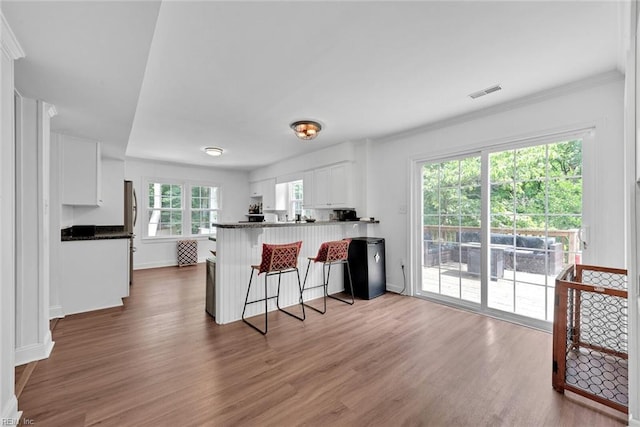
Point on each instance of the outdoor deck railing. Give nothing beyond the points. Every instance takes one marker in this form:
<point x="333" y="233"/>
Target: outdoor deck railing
<point x="570" y="238"/>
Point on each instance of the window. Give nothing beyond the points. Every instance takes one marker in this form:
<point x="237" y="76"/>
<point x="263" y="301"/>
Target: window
<point x="169" y="215"/>
<point x="295" y="198"/>
<point x="164" y="210"/>
<point x="204" y="209"/>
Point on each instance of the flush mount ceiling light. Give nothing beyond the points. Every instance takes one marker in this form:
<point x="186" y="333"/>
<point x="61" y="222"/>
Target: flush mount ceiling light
<point x="213" y="151"/>
<point x="306" y="129"/>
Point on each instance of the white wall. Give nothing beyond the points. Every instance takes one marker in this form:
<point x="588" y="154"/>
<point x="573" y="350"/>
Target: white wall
<point x="597" y="102"/>
<point x="234" y="203"/>
<point x="10" y="50"/>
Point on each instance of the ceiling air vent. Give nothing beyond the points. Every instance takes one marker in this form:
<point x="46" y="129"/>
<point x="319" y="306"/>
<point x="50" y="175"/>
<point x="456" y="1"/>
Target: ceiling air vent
<point x="484" y="92"/>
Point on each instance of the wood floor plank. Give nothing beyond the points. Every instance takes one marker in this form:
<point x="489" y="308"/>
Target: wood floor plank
<point x="161" y="360"/>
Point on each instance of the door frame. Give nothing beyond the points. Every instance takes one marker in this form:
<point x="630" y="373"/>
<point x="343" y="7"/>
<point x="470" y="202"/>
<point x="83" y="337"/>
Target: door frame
<point x="585" y="132"/>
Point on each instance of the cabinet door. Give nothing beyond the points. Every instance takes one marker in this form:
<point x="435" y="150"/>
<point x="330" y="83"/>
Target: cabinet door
<point x="308" y="190"/>
<point x="269" y="194"/>
<point x="281" y="197"/>
<point x="339" y="182"/>
<point x="81" y="172"/>
<point x="321" y="188"/>
<point x="255" y="189"/>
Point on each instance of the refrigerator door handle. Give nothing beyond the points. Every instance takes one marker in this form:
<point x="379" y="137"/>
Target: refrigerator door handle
<point x="135" y="207"/>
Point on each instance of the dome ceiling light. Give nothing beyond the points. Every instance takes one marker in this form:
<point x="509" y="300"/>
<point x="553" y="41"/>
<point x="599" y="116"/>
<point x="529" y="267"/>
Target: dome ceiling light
<point x="213" y="151"/>
<point x="306" y="129"/>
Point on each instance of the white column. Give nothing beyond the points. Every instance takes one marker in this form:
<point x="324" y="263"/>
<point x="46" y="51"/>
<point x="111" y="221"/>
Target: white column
<point x="10" y="50"/>
<point x="33" y="337"/>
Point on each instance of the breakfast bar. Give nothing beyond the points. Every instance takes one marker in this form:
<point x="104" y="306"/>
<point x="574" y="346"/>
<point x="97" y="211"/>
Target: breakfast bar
<point x="239" y="245"/>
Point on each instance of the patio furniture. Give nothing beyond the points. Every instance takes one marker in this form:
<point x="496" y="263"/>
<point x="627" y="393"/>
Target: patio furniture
<point x="529" y="254"/>
<point x="496" y="260"/>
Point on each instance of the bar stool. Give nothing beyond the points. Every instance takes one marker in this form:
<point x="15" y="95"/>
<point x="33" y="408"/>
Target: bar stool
<point x="330" y="253"/>
<point x="276" y="259"/>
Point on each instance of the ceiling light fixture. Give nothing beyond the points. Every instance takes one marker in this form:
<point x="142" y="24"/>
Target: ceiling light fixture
<point x="213" y="151"/>
<point x="306" y="129"/>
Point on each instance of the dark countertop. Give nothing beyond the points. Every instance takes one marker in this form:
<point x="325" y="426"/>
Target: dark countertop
<point x="287" y="224"/>
<point x="102" y="232"/>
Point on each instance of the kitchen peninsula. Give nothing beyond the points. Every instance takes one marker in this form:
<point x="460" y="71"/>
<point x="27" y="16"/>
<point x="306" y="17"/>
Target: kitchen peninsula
<point x="239" y="245"/>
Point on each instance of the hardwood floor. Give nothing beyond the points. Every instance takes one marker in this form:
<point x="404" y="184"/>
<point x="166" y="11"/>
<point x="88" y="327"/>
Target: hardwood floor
<point x="162" y="361"/>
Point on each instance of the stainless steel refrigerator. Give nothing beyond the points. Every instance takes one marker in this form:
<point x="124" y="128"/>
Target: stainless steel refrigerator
<point x="130" y="219"/>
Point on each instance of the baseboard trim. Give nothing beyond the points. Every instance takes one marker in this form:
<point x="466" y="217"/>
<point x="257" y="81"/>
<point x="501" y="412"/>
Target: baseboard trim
<point x="148" y="265"/>
<point x="10" y="414"/>
<point x="161" y="264"/>
<point x="56" y="312"/>
<point x="634" y="422"/>
<point x="34" y="352"/>
<point x="113" y="304"/>
<point x="394" y="288"/>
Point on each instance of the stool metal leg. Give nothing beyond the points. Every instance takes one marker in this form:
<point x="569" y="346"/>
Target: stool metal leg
<point x="246" y="302"/>
<point x="324" y="291"/>
<point x="301" y="304"/>
<point x="350" y="285"/>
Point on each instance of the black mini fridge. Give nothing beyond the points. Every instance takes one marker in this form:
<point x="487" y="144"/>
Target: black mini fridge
<point x="367" y="264"/>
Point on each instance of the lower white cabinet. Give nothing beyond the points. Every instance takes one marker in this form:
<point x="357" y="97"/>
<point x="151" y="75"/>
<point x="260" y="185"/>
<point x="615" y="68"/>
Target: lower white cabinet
<point x="93" y="274"/>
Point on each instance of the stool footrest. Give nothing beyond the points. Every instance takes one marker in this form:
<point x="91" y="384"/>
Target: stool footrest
<point x="343" y="300"/>
<point x="312" y="287"/>
<point x="261" y="300"/>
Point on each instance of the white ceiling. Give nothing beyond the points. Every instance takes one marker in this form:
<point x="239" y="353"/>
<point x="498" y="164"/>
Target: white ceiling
<point x="164" y="81"/>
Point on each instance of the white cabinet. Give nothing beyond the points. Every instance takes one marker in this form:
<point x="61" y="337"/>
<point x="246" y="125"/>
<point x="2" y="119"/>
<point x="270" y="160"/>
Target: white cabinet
<point x="255" y="189"/>
<point x="93" y="274"/>
<point x="268" y="194"/>
<point x="281" y="196"/>
<point x="332" y="187"/>
<point x="267" y="190"/>
<point x="81" y="172"/>
<point x="308" y="192"/>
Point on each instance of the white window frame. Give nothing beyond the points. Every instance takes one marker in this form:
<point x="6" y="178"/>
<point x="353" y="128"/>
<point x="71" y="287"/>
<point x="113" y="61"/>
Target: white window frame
<point x="291" y="201"/>
<point x="186" y="209"/>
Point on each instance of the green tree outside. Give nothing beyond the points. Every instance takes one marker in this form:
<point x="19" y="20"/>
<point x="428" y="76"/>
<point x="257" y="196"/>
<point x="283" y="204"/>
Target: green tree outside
<point x="538" y="187"/>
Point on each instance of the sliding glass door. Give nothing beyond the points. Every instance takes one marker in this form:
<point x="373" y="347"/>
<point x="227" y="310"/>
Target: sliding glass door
<point x="451" y="207"/>
<point x="536" y="215"/>
<point x="531" y="200"/>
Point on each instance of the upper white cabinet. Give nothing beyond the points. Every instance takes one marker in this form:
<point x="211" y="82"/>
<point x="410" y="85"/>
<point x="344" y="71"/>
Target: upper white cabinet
<point x="269" y="194"/>
<point x="308" y="199"/>
<point x="267" y="190"/>
<point x="255" y="189"/>
<point x="81" y="172"/>
<point x="332" y="187"/>
<point x="281" y="196"/>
